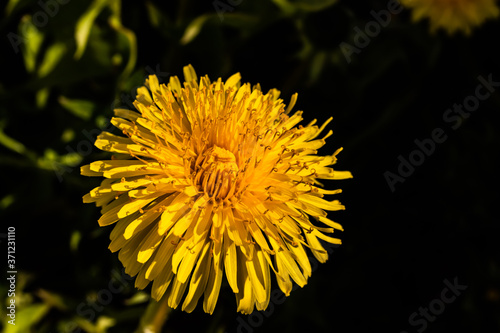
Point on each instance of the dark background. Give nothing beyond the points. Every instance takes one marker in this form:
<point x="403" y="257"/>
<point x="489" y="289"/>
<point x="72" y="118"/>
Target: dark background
<point x="398" y="246"/>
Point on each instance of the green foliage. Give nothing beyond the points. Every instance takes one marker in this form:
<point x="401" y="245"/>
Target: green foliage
<point x="67" y="64"/>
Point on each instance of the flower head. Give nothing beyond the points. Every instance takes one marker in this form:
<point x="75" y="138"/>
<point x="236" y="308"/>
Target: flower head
<point x="214" y="179"/>
<point x="453" y="15"/>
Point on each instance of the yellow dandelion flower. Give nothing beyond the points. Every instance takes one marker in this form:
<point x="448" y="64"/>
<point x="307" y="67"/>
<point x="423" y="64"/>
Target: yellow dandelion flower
<point x="214" y="179"/>
<point x="453" y="15"/>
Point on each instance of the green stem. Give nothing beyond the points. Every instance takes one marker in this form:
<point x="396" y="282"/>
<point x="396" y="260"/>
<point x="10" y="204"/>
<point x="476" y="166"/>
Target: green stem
<point x="155" y="316"/>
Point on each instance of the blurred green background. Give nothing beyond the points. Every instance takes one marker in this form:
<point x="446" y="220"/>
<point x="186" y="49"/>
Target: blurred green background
<point x="64" y="66"/>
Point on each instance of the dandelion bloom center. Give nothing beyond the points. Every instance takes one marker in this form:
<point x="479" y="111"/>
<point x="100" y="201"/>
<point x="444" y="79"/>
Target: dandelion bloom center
<point x="212" y="180"/>
<point x="216" y="174"/>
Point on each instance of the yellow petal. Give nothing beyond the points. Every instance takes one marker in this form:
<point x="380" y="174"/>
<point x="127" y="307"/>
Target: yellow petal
<point x="162" y="282"/>
<point x="316" y="247"/>
<point x="282" y="277"/>
<point x="213" y="286"/>
<point x="233" y="81"/>
<point x="230" y="263"/>
<point x="321" y="203"/>
<point x="86" y="171"/>
<point x="163" y="257"/>
<point x="198" y="280"/>
<point x="289" y="264"/>
<point x="173" y="212"/>
<point x="134" y="205"/>
<point x="331" y="223"/>
<point x="245" y="298"/>
<point x="189" y="73"/>
<point x="176" y="293"/>
<point x="188" y="262"/>
<point x="256" y="273"/>
<point x="149" y="245"/>
<point x="116" y="236"/>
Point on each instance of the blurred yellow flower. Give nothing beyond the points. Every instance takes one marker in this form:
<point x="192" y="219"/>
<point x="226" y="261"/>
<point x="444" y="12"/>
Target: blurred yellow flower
<point x="453" y="15"/>
<point x="214" y="177"/>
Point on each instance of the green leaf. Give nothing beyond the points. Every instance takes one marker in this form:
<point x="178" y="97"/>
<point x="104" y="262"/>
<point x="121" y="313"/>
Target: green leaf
<point x="67" y="135"/>
<point x="74" y="241"/>
<point x="101" y="326"/>
<point x="238" y="20"/>
<point x="7" y="200"/>
<point x="103" y="323"/>
<point x="42" y="96"/>
<point x="154" y="14"/>
<point x="81" y="108"/>
<point x="317" y="64"/>
<point x="32" y="42"/>
<point x="312" y="5"/>
<point x="194" y="28"/>
<point x="53" y="299"/>
<point x="291" y="6"/>
<point x="138" y="298"/>
<point x="52" y="57"/>
<point x="71" y="159"/>
<point x="27" y="317"/>
<point x="10" y="143"/>
<point x="10" y="6"/>
<point x="84" y="25"/>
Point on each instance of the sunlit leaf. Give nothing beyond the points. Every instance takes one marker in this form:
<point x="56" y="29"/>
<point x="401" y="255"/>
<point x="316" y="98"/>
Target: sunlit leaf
<point x="101" y="121"/>
<point x="52" y="299"/>
<point x="71" y="159"/>
<point x="86" y="325"/>
<point x="27" y="317"/>
<point x="154" y="14"/>
<point x="194" y="28"/>
<point x="290" y="6"/>
<point x="312" y="5"/>
<point x="84" y="25"/>
<point x="74" y="241"/>
<point x="6" y="201"/>
<point x="103" y="323"/>
<point x="60" y="164"/>
<point x="10" y="6"/>
<point x="237" y="20"/>
<point x="42" y="96"/>
<point x="285" y="6"/>
<point x="81" y="108"/>
<point x="67" y="135"/>
<point x="101" y="326"/>
<point x="117" y="59"/>
<point x="138" y="298"/>
<point x="11" y="143"/>
<point x="33" y="39"/>
<point x="317" y="65"/>
<point x="52" y="57"/>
